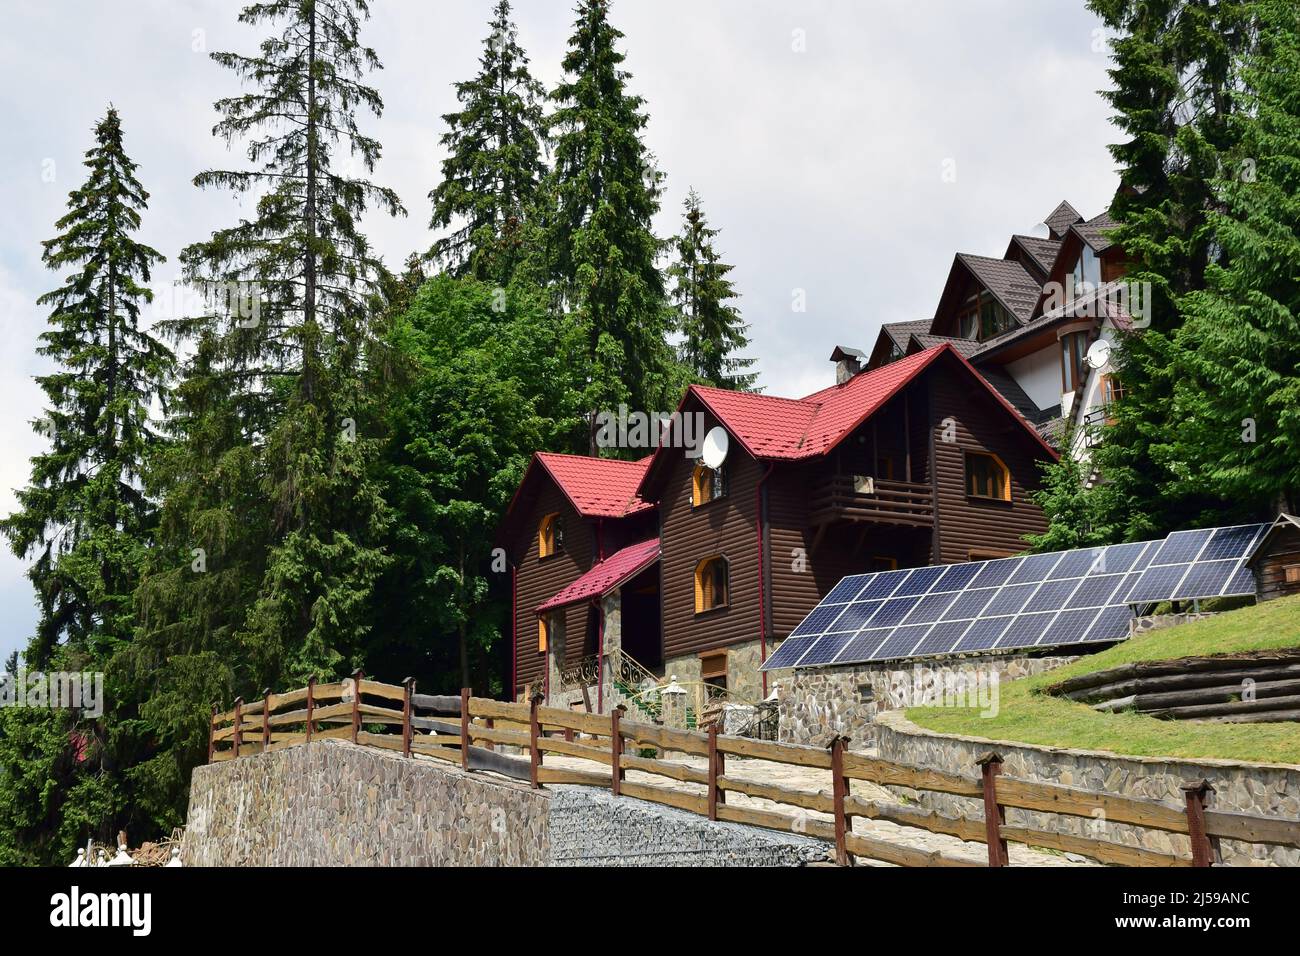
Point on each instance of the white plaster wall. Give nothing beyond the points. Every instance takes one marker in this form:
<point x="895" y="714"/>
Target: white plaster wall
<point x="1039" y="374"/>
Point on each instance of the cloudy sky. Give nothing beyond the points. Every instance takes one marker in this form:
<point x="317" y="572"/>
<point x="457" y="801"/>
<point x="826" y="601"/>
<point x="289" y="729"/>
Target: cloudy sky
<point x="817" y="131"/>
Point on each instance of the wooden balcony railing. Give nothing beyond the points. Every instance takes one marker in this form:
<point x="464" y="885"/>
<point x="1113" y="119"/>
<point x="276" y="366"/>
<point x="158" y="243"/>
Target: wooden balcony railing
<point x="879" y="501"/>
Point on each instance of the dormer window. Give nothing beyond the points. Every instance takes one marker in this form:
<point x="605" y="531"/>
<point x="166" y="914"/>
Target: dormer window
<point x="550" y="535"/>
<point x="983" y="318"/>
<point x="1087" y="272"/>
<point x="1074" y="346"/>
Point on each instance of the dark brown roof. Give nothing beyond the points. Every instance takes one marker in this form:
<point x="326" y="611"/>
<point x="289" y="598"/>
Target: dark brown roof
<point x="1061" y="218"/>
<point x="966" y="347"/>
<point x="1042" y="251"/>
<point x="1093" y="232"/>
<point x="1009" y="281"/>
<point x="1010" y="389"/>
<point x="901" y="332"/>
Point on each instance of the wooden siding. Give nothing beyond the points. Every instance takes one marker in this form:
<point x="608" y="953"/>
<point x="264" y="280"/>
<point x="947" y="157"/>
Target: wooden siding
<point x="724" y="526"/>
<point x="966" y="523"/>
<point x="538" y="579"/>
<point x="1270" y="568"/>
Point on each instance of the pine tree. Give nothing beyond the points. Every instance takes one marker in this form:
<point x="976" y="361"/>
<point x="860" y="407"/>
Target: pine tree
<point x="495" y="163"/>
<point x="711" y="328"/>
<point x="601" y="246"/>
<point x="1237" y="393"/>
<point x="84" y="514"/>
<point x="273" y="523"/>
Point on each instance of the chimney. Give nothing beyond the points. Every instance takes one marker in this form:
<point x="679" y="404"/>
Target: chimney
<point x="848" y="363"/>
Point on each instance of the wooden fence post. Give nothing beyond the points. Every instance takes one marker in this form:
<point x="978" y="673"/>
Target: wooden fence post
<point x="311" y="694"/>
<point x="713" y="771"/>
<point x="534" y="732"/>
<point x="839" y="791"/>
<point x="616" y="749"/>
<point x="239" y="722"/>
<point x="1202" y="850"/>
<point x="490" y="723"/>
<point x="212" y="729"/>
<point x="409" y="685"/>
<point x="357" y="676"/>
<point x="266" y="719"/>
<point x="464" y="729"/>
<point x="994" y="814"/>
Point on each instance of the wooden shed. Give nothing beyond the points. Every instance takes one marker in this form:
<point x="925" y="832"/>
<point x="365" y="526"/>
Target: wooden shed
<point x="1276" y="559"/>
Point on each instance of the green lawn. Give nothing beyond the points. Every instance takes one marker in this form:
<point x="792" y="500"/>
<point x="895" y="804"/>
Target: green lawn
<point x="1028" y="715"/>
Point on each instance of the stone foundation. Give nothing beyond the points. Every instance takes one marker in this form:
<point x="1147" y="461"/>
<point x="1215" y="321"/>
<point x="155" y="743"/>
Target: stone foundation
<point x="1267" y="789"/>
<point x="815" y="702"/>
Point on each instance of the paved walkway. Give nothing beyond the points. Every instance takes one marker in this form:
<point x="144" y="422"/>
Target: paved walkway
<point x="812" y="780"/>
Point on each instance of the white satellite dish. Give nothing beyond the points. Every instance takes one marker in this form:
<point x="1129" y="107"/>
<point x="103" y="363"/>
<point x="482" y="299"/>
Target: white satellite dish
<point x="1098" y="354"/>
<point x="714" y="451"/>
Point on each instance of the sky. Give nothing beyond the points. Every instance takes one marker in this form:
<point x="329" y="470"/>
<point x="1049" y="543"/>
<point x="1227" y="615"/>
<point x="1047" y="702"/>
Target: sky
<point x="847" y="149"/>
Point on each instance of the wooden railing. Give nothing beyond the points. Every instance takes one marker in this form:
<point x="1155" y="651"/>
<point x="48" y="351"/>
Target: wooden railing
<point x="468" y="731"/>
<point x="837" y="498"/>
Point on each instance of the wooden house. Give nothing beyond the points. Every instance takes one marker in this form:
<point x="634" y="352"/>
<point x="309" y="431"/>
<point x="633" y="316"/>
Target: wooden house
<point x="669" y="568"/>
<point x="1275" y="560"/>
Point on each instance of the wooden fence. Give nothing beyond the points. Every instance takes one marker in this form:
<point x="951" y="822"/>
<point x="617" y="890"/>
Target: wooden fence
<point x="469" y="731"/>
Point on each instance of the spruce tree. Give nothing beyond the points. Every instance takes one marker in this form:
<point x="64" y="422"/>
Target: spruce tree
<point x="273" y="526"/>
<point x="495" y="162"/>
<point x="711" y="327"/>
<point x="65" y="774"/>
<point x="84" y="514"/>
<point x="1237" y="391"/>
<point x="602" y="249"/>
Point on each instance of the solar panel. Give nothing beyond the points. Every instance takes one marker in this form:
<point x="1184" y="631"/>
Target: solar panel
<point x="1040" y="600"/>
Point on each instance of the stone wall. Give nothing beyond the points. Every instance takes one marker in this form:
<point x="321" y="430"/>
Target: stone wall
<point x="815" y="702"/>
<point x="1244" y="787"/>
<point x="330" y="803"/>
<point x="334" y="804"/>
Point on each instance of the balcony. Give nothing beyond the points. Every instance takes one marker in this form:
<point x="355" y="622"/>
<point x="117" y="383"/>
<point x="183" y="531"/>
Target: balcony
<point x="871" y="501"/>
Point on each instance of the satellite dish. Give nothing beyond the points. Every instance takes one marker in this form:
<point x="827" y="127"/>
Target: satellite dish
<point x="1041" y="231"/>
<point x="714" y="452"/>
<point x="1098" y="354"/>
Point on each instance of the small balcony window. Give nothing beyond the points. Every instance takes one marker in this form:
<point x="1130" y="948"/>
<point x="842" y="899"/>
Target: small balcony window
<point x="550" y="536"/>
<point x="707" y="484"/>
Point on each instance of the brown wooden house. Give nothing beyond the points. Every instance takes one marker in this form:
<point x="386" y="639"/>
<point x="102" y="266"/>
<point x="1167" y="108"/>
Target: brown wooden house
<point x="1275" y="560"/>
<point x="699" y="573"/>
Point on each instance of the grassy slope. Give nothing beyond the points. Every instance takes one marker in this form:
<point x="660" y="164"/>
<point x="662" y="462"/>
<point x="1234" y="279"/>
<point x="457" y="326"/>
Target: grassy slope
<point x="1027" y="715"/>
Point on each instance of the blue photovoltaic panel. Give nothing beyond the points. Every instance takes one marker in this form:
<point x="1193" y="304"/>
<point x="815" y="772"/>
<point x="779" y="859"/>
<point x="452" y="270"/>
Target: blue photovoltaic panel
<point x="996" y="572"/>
<point x="1035" y="568"/>
<point x="983" y="634"/>
<point x="1205" y="579"/>
<point x="855" y="616"/>
<point x="958" y="576"/>
<point x="1231" y="542"/>
<point x="942" y="637"/>
<point x="930" y="608"/>
<point x="791" y="649"/>
<point x="1042" y="600"/>
<point x="1069" y="626"/>
<point x="1052" y="596"/>
<point x="1157" y="583"/>
<point x="847" y="589"/>
<point x="919" y="581"/>
<point x="1182" y="546"/>
<point x="825" y="650"/>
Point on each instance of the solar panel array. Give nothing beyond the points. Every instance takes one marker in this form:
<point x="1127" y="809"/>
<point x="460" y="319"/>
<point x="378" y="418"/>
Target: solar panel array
<point x="1039" y="600"/>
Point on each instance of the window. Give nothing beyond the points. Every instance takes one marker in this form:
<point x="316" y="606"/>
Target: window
<point x="707" y="484"/>
<point x="1291" y="573"/>
<point x="987" y="477"/>
<point x="550" y="536"/>
<point x="710" y="584"/>
<point x="885" y="468"/>
<point x="1111" y="390"/>
<point x="983" y="317"/>
<point x="1074" y="346"/>
<point x="713" y="668"/>
<point x="883" y="564"/>
<point x="1087" y="272"/>
<point x="543" y="633"/>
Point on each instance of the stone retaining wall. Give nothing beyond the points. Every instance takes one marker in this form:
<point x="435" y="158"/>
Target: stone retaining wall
<point x="1244" y="787"/>
<point x="815" y="702"/>
<point x="330" y="803"/>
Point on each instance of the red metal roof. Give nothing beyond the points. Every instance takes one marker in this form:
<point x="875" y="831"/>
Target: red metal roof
<point x="598" y="487"/>
<point x="618" y="568"/>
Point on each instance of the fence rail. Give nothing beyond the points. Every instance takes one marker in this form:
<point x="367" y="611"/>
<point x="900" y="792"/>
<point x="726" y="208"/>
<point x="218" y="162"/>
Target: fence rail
<point x="477" y="733"/>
